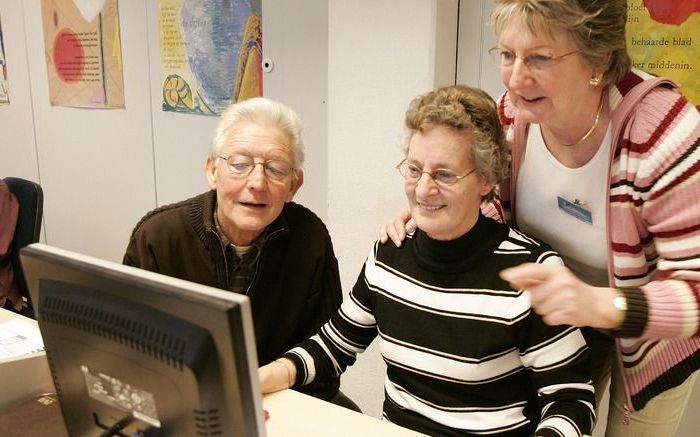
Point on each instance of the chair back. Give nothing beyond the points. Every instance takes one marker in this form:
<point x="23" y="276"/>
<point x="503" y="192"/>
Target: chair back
<point x="31" y="205"/>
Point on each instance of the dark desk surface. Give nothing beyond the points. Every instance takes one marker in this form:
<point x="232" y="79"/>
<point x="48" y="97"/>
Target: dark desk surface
<point x="37" y="417"/>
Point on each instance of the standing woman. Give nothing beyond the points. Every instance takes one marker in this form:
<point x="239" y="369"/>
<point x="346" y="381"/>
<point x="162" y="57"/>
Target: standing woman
<point x="622" y="210"/>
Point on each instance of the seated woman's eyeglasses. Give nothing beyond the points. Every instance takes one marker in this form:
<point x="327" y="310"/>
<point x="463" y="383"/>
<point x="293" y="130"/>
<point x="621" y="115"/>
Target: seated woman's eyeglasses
<point x="535" y="61"/>
<point x="243" y="165"/>
<point x="441" y="176"/>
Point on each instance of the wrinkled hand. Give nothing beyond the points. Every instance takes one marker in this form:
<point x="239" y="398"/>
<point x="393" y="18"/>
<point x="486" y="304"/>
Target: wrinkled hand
<point x="563" y="299"/>
<point x="397" y="228"/>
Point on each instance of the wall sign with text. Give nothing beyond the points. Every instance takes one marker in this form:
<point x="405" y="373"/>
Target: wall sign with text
<point x="663" y="38"/>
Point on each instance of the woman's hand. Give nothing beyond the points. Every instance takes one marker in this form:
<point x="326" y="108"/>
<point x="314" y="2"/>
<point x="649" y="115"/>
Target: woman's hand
<point x="277" y="375"/>
<point x="563" y="299"/>
<point x="397" y="228"/>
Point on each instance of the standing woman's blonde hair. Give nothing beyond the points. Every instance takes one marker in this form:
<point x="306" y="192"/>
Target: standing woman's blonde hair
<point x="597" y="28"/>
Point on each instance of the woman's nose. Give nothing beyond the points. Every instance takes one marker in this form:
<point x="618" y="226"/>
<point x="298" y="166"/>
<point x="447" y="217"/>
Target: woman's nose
<point x="426" y="184"/>
<point x="519" y="74"/>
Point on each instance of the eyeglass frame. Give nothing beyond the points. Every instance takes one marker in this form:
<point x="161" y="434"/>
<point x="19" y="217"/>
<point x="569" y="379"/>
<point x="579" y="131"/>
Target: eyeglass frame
<point x="292" y="169"/>
<point x="431" y="174"/>
<point x="527" y="59"/>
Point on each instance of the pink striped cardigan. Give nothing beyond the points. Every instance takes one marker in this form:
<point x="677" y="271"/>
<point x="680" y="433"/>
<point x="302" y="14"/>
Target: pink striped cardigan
<point x="653" y="227"/>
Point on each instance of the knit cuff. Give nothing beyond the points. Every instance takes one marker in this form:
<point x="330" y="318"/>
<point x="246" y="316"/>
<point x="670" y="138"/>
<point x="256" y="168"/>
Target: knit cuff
<point x="299" y="365"/>
<point x="637" y="313"/>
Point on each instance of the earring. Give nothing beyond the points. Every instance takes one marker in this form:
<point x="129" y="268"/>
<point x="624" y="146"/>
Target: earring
<point x="594" y="81"/>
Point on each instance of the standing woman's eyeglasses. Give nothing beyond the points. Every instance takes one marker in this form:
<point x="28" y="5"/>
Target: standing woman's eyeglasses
<point x="535" y="61"/>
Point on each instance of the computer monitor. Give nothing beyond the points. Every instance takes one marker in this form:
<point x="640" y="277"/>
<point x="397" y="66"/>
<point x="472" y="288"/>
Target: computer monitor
<point x="134" y="353"/>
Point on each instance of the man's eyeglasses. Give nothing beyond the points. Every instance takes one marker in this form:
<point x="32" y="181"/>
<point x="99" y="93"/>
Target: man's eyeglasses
<point x="243" y="165"/>
<point x="535" y="61"/>
<point x="441" y="176"/>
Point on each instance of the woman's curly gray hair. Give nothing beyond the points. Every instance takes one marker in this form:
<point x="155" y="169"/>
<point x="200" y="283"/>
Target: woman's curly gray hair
<point x="468" y="109"/>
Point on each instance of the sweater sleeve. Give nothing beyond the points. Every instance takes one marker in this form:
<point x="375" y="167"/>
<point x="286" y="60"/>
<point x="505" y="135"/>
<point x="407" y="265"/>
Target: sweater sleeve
<point x="332" y="294"/>
<point x="558" y="362"/>
<point x="663" y="150"/>
<point x="349" y="331"/>
<point x="139" y="252"/>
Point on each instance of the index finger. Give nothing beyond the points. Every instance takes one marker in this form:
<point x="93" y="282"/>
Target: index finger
<point x="527" y="275"/>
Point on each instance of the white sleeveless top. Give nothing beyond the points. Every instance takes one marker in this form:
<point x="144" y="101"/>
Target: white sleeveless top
<point x="544" y="184"/>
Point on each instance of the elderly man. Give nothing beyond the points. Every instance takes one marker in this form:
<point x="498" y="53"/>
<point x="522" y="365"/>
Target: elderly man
<point x="247" y="236"/>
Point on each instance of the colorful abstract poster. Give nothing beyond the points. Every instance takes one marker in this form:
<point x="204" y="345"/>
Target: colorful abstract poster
<point x="663" y="37"/>
<point x="4" y="95"/>
<point x="210" y="53"/>
<point x="83" y="53"/>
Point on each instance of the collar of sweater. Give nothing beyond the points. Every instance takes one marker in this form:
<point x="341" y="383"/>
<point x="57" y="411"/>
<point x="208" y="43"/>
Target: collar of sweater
<point x="462" y="253"/>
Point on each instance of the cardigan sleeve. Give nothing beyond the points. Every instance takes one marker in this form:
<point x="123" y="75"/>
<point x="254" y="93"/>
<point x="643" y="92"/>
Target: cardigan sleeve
<point x="655" y="214"/>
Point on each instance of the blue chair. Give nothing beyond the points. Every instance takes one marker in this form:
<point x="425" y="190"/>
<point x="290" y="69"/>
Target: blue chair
<point x="31" y="205"/>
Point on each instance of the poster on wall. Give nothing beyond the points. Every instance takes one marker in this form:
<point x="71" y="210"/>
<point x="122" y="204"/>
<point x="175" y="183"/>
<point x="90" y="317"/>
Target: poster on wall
<point x="210" y="53"/>
<point x="83" y="53"/>
<point x="4" y="95"/>
<point x="663" y="38"/>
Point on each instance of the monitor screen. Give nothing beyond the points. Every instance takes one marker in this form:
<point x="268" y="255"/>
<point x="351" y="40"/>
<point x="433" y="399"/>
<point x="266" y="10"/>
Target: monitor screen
<point x="135" y="353"/>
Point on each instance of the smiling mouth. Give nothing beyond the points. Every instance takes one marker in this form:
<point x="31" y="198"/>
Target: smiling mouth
<point x="430" y="208"/>
<point x="532" y="100"/>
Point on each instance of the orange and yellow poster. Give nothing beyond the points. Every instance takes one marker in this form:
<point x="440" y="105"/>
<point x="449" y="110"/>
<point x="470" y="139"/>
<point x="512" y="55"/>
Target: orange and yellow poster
<point x="663" y="37"/>
<point x="83" y="53"/>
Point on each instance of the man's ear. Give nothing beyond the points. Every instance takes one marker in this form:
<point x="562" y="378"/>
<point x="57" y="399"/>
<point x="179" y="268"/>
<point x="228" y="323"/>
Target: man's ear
<point x="210" y="170"/>
<point x="297" y="182"/>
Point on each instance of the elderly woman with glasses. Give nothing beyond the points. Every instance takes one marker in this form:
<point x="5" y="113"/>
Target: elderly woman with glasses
<point x="465" y="353"/>
<point x="605" y="168"/>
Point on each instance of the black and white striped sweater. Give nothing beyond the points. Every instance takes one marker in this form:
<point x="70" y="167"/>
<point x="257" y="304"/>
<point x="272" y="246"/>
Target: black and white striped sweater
<point x="465" y="354"/>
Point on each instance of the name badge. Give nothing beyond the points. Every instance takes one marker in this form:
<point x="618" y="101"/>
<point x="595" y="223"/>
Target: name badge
<point x="575" y="209"/>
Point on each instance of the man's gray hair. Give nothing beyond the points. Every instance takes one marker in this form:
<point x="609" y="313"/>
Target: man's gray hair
<point x="261" y="110"/>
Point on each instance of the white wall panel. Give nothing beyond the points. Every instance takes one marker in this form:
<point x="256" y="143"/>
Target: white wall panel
<point x="474" y="67"/>
<point x="96" y="166"/>
<point x="17" y="144"/>
<point x="295" y="38"/>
